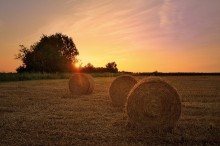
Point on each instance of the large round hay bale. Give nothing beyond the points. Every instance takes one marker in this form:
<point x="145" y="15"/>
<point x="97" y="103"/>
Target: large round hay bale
<point x="153" y="104"/>
<point x="120" y="88"/>
<point x="80" y="84"/>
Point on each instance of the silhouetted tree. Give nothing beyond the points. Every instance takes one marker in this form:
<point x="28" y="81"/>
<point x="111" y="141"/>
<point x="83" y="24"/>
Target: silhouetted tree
<point x="54" y="53"/>
<point x="88" y="68"/>
<point x="112" y="67"/>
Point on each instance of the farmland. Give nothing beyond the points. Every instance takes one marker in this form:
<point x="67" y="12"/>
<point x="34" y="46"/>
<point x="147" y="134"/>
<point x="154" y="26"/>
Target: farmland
<point x="43" y="112"/>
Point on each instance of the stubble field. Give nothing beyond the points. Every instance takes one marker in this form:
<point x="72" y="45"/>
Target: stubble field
<point x="43" y="112"/>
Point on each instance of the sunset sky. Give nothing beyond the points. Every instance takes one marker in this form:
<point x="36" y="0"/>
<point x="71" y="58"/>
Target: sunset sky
<point x="139" y="35"/>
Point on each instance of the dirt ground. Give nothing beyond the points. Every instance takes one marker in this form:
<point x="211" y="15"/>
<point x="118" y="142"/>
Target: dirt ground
<point x="44" y="113"/>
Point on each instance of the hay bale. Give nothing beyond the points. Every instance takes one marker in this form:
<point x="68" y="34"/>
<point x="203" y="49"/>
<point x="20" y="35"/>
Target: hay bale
<point x="80" y="84"/>
<point x="153" y="104"/>
<point x="92" y="84"/>
<point x="120" y="88"/>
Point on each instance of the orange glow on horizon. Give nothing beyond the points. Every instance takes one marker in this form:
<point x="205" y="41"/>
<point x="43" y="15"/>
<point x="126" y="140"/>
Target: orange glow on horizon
<point x="140" y="36"/>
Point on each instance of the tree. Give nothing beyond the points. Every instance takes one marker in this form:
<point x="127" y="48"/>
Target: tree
<point x="54" y="53"/>
<point x="112" y="67"/>
<point x="88" y="68"/>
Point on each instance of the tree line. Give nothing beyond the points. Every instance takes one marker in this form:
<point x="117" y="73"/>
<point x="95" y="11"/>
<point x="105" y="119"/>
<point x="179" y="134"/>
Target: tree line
<point x="109" y="67"/>
<point x="55" y="53"/>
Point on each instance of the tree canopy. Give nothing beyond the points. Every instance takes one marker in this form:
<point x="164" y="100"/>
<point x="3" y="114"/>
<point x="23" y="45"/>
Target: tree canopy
<point x="112" y="67"/>
<point x="54" y="53"/>
<point x="109" y="67"/>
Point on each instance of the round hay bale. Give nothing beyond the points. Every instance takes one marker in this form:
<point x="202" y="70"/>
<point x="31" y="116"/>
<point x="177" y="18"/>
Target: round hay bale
<point x="120" y="88"/>
<point x="92" y="84"/>
<point x="80" y="84"/>
<point x="153" y="104"/>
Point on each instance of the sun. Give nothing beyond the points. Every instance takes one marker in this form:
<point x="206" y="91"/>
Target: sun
<point x="77" y="65"/>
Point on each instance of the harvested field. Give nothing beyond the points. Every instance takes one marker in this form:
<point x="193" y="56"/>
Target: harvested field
<point x="43" y="112"/>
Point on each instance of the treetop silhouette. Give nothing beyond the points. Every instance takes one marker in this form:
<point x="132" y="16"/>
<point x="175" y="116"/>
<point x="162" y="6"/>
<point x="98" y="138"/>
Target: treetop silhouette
<point x="54" y="53"/>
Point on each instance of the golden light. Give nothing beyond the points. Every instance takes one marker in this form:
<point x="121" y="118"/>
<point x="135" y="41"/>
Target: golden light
<point x="77" y="65"/>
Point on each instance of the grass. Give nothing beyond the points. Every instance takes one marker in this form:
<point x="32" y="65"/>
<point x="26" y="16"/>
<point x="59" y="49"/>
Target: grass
<point x="43" y="112"/>
<point x="6" y="77"/>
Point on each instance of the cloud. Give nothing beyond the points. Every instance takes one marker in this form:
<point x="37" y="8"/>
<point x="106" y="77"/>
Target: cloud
<point x="169" y="14"/>
<point x="184" y="20"/>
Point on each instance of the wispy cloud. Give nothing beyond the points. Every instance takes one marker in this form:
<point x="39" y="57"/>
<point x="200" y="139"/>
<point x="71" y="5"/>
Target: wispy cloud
<point x="106" y="30"/>
<point x="120" y="28"/>
<point x="186" y="19"/>
<point x="170" y="14"/>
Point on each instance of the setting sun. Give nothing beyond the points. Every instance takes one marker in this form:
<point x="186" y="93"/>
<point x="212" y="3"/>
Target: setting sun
<point x="77" y="65"/>
<point x="140" y="36"/>
<point x="109" y="72"/>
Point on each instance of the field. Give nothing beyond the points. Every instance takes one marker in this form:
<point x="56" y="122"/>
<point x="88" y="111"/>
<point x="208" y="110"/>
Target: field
<point x="43" y="112"/>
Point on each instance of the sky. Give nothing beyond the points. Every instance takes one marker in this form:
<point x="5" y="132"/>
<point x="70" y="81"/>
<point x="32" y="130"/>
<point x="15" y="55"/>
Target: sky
<point x="139" y="35"/>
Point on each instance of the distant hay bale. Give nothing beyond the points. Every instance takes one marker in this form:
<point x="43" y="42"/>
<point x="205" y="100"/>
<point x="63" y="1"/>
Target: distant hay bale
<point x="92" y="84"/>
<point x="153" y="104"/>
<point x="80" y="84"/>
<point x="120" y="88"/>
